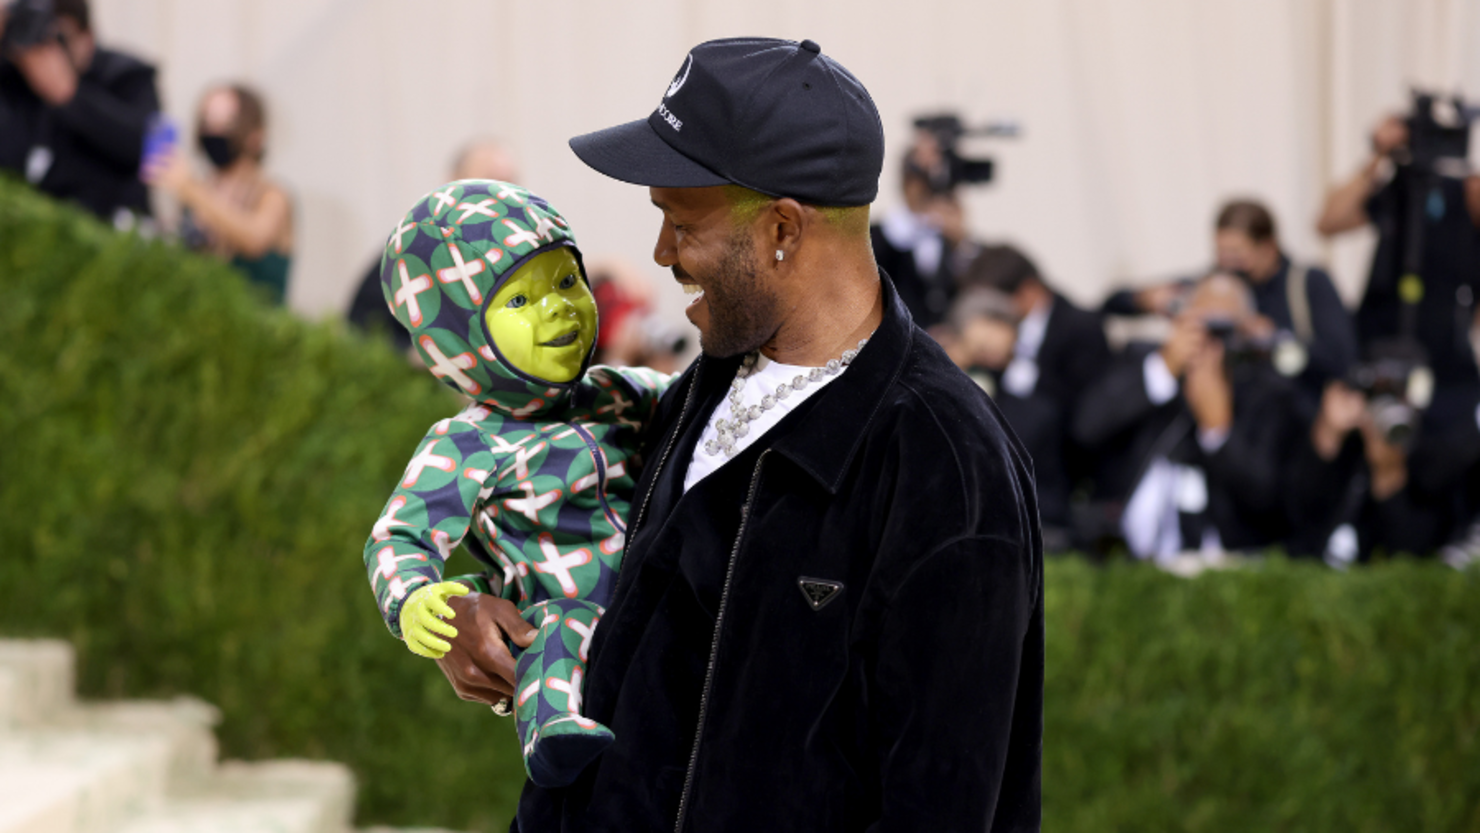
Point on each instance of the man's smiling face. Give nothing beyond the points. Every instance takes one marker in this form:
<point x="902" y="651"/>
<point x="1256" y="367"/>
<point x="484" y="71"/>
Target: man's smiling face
<point x="715" y="258"/>
<point x="543" y="319"/>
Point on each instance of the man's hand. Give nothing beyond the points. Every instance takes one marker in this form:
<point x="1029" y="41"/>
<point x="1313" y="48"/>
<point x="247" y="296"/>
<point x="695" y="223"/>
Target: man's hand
<point x="1387" y="463"/>
<point x="1389" y="135"/>
<point x="48" y="71"/>
<point x="477" y="662"/>
<point x="1186" y="340"/>
<point x="1206" y="389"/>
<point x="1342" y="411"/>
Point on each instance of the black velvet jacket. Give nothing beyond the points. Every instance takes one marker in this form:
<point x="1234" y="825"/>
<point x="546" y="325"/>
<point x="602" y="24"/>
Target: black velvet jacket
<point x="904" y="692"/>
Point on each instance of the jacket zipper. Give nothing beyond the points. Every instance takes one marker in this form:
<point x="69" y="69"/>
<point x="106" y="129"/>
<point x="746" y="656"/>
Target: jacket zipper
<point x="719" y="621"/>
<point x="653" y="484"/>
<point x="600" y="460"/>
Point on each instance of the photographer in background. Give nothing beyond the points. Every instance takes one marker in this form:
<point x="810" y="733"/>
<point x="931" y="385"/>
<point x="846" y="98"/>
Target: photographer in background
<point x="924" y="245"/>
<point x="1297" y="303"/>
<point x="1426" y="267"/>
<point x="632" y="334"/>
<point x="1193" y="433"/>
<point x="72" y="114"/>
<point x="1355" y="487"/>
<point x="1039" y="358"/>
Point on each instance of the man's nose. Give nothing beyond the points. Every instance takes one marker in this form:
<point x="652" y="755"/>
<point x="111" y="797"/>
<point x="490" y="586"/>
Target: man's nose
<point x="665" y="253"/>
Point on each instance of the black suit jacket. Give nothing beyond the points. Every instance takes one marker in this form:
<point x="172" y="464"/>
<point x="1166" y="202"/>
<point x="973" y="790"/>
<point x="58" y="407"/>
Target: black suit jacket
<point x="1073" y="354"/>
<point x="96" y="139"/>
<point x="1245" y="476"/>
<point x="741" y="704"/>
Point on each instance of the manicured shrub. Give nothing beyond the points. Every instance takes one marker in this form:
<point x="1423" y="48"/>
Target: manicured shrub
<point x="187" y="477"/>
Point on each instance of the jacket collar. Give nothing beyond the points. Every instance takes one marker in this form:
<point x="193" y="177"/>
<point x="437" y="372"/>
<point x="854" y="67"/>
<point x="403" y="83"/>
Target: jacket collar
<point x="824" y="441"/>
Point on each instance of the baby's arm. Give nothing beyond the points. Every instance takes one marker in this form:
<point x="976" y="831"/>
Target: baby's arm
<point x="428" y="515"/>
<point x="630" y="392"/>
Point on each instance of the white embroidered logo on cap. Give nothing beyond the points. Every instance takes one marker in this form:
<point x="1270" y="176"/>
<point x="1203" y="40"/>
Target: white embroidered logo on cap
<point x="680" y="78"/>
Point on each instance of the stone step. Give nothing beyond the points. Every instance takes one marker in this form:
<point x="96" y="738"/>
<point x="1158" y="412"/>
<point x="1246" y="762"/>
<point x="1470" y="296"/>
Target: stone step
<point x="58" y="781"/>
<point x="36" y="680"/>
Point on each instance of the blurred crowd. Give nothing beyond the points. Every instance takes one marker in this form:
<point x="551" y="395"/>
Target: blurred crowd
<point x="1239" y="407"/>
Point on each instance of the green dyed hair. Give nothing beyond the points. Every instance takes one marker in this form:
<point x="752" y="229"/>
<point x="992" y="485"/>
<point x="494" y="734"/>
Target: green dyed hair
<point x="746" y="204"/>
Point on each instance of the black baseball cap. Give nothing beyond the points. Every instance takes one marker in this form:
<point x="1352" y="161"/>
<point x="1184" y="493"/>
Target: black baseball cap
<point x="775" y="116"/>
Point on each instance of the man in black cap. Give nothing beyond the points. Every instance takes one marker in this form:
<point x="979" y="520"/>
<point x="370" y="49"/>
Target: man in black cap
<point x="829" y="617"/>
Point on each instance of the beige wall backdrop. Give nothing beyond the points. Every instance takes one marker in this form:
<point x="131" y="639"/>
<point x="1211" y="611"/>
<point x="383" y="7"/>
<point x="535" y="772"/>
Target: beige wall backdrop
<point x="1139" y="116"/>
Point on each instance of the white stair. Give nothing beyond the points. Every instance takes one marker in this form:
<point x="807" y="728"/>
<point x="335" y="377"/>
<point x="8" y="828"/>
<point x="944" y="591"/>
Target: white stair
<point x="140" y="766"/>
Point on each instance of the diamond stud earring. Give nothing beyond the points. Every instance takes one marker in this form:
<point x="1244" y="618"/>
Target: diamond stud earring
<point x="780" y="255"/>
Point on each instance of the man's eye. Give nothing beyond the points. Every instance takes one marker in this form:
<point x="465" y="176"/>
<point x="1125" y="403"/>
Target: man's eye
<point x="568" y="281"/>
<point x="517" y="301"/>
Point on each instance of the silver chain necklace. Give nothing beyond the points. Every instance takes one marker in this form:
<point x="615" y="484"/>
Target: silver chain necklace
<point x="738" y="425"/>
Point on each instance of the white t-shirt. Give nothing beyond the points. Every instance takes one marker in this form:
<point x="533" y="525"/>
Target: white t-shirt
<point x="763" y="380"/>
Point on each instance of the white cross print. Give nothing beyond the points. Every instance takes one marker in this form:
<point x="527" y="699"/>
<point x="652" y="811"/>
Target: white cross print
<point x="530" y="505"/>
<point x="382" y="530"/>
<point x="593" y="478"/>
<point x="585" y="631"/>
<point x="571" y="689"/>
<point x="511" y="192"/>
<point x="423" y="461"/>
<point x="479" y="207"/>
<point x="618" y="405"/>
<point x="460" y="270"/>
<point x="443" y="542"/>
<point x="444" y="198"/>
<point x="559" y="566"/>
<point x="528" y="410"/>
<point x="522" y="456"/>
<point x="529" y="691"/>
<point x="409" y="290"/>
<point x="444" y="368"/>
<point x="401" y="232"/>
<point x="388" y="562"/>
<point x="520" y="236"/>
<point x="614" y="544"/>
<point x="544" y="225"/>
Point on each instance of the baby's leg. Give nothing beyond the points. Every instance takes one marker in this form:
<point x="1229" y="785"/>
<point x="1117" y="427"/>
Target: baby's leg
<point x="558" y="742"/>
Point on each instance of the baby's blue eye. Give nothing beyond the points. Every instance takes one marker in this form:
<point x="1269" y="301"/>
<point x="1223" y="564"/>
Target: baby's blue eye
<point x="568" y="281"/>
<point x="517" y="301"/>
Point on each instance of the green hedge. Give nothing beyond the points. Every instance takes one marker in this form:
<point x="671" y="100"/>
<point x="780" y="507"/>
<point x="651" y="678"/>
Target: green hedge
<point x="186" y="478"/>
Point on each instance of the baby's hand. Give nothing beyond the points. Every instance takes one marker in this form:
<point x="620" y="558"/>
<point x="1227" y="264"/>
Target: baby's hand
<point x="422" y="616"/>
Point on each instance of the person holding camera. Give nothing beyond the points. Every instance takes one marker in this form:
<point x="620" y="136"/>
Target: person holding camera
<point x="1357" y="488"/>
<point x="1192" y="433"/>
<point x="1035" y="352"/>
<point x="924" y="244"/>
<point x="237" y="213"/>
<point x="1426" y="267"/>
<point x="1299" y="310"/>
<point x="73" y="115"/>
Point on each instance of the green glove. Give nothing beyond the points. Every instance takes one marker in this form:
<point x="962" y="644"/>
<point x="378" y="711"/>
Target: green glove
<point x="422" y="616"/>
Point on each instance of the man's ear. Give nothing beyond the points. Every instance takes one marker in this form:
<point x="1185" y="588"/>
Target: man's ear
<point x="786" y="223"/>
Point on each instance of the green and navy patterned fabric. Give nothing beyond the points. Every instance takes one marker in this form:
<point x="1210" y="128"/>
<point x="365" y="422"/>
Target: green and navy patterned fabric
<point x="535" y="479"/>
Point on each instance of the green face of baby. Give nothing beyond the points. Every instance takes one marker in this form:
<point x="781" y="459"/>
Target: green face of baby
<point x="544" y="318"/>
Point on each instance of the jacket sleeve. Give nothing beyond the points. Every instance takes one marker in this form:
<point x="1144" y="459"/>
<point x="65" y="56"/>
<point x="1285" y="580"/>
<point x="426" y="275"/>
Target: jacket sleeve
<point x="1251" y="463"/>
<point x="112" y="118"/>
<point x="631" y="392"/>
<point x="948" y="684"/>
<point x="1333" y="348"/>
<point x="428" y="514"/>
<point x="1118" y="401"/>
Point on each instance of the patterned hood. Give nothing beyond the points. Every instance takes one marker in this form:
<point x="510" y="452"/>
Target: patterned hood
<point x="442" y="266"/>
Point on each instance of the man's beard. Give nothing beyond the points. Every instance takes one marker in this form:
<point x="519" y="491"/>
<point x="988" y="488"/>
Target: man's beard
<point x="743" y="309"/>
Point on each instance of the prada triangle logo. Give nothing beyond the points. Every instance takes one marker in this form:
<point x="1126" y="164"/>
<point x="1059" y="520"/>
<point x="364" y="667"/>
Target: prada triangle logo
<point x="819" y="591"/>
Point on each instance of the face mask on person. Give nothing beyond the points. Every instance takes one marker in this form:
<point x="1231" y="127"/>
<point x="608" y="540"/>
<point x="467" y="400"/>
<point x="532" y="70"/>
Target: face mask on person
<point x="221" y="150"/>
<point x="543" y="319"/>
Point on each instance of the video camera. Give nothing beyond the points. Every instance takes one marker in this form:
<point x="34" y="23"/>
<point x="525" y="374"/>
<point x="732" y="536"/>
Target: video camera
<point x="28" y="22"/>
<point x="1439" y="146"/>
<point x="1398" y="386"/>
<point x="956" y="169"/>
